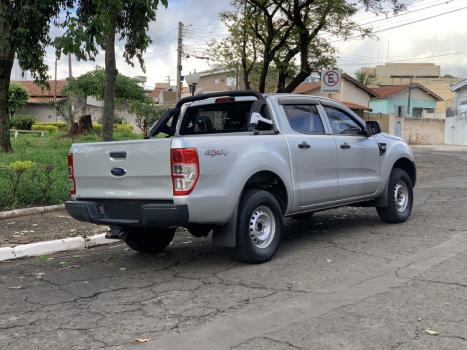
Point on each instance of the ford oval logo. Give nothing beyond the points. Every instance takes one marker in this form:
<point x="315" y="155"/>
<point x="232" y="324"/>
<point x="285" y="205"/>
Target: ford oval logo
<point x="118" y="171"/>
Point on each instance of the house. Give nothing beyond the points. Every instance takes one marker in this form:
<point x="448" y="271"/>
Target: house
<point x="395" y="99"/>
<point x="460" y="101"/>
<point x="426" y="74"/>
<point x="353" y="94"/>
<point x="219" y="80"/>
<point x="41" y="102"/>
<point x="163" y="94"/>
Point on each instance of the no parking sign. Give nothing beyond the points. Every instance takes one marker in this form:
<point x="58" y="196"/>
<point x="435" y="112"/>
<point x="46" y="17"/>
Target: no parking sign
<point x="330" y="80"/>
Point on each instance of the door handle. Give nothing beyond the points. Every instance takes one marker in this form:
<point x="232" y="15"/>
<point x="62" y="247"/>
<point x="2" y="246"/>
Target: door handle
<point x="304" y="145"/>
<point x="345" y="146"/>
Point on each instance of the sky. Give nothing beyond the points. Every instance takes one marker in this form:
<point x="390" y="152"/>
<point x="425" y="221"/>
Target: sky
<point x="440" y="39"/>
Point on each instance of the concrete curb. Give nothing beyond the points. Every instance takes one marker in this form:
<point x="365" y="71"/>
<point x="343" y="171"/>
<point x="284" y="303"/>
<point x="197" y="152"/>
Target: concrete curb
<point x="55" y="246"/>
<point x="29" y="211"/>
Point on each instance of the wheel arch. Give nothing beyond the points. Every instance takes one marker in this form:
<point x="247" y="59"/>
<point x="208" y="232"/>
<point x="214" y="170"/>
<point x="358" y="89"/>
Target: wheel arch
<point x="408" y="166"/>
<point x="269" y="181"/>
<point x="405" y="164"/>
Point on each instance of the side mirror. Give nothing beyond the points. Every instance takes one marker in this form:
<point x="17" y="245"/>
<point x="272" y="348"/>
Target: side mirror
<point x="372" y="127"/>
<point x="258" y="122"/>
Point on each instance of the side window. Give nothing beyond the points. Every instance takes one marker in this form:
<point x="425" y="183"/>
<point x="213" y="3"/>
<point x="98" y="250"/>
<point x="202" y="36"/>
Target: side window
<point x="342" y="123"/>
<point x="304" y="119"/>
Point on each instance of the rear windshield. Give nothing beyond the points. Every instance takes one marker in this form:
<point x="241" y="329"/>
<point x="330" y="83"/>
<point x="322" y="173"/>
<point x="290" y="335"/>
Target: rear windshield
<point x="216" y="118"/>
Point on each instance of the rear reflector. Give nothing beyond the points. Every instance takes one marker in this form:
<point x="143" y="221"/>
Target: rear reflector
<point x="71" y="174"/>
<point x="184" y="170"/>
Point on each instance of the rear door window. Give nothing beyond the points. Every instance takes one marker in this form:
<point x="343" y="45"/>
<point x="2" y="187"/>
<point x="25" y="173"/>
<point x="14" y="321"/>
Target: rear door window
<point x="304" y="119"/>
<point x="216" y="118"/>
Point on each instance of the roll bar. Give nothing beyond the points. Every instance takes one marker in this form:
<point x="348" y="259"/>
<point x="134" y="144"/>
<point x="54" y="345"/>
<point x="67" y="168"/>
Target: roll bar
<point x="200" y="97"/>
<point x="161" y="124"/>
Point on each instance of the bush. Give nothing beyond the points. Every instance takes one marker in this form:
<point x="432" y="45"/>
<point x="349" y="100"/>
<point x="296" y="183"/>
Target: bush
<point x="45" y="127"/>
<point x="123" y="128"/>
<point x="22" y="122"/>
<point x="117" y="127"/>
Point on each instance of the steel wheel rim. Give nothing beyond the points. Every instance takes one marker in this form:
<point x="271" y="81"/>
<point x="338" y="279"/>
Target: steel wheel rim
<point x="262" y="227"/>
<point x="401" y="196"/>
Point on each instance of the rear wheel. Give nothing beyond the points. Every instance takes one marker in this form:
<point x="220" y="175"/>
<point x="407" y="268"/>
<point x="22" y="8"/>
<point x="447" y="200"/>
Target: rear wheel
<point x="259" y="227"/>
<point x="400" y="198"/>
<point x="145" y="240"/>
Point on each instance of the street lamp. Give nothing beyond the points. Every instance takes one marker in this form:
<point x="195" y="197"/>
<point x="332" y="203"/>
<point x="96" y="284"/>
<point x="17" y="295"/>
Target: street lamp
<point x="192" y="80"/>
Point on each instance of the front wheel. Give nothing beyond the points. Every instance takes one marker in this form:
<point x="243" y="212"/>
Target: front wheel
<point x="145" y="240"/>
<point x="400" y="198"/>
<point x="259" y="227"/>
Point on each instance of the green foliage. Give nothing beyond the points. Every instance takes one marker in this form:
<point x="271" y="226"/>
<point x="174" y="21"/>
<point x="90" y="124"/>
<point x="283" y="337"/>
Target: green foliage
<point x="45" y="127"/>
<point x="17" y="97"/>
<point x="15" y="173"/>
<point x="283" y="34"/>
<point x="86" y="27"/>
<point x="147" y="113"/>
<point x="24" y="35"/>
<point x="93" y="84"/>
<point x="22" y="122"/>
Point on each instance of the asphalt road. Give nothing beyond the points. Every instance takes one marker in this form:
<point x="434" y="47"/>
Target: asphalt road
<point x="343" y="280"/>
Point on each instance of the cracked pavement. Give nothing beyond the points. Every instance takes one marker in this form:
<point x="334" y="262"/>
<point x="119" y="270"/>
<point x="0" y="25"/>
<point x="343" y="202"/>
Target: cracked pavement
<point x="342" y="280"/>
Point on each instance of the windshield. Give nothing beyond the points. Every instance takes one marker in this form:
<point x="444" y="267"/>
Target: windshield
<point x="216" y="118"/>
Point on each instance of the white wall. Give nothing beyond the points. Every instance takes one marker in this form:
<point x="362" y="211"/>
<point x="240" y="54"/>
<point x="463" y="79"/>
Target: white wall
<point x="456" y="131"/>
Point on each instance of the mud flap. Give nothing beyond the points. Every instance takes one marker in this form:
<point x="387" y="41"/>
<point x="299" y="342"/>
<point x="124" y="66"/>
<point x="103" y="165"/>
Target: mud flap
<point x="226" y="235"/>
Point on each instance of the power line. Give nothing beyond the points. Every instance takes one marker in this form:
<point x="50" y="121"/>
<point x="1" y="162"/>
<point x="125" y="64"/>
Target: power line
<point x="402" y="25"/>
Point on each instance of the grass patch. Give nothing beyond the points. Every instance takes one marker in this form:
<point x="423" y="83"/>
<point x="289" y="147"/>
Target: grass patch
<point x="49" y="153"/>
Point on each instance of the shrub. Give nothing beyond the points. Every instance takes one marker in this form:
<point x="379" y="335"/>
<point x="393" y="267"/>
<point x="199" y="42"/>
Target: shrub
<point x="22" y="122"/>
<point x="45" y="127"/>
<point x="123" y="128"/>
<point x="15" y="171"/>
<point x="97" y="127"/>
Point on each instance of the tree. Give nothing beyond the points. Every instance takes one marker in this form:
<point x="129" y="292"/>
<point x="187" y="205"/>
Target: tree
<point x="93" y="84"/>
<point x="24" y="33"/>
<point x="17" y="98"/>
<point x="365" y="78"/>
<point x="288" y="33"/>
<point x="95" y="23"/>
<point x="147" y="113"/>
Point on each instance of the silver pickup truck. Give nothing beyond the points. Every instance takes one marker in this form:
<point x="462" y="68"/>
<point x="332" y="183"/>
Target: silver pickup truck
<point x="236" y="163"/>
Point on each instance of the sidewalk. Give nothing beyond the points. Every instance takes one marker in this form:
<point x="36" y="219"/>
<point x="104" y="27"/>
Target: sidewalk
<point x="44" y="227"/>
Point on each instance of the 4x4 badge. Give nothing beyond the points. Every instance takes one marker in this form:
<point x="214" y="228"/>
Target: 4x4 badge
<point x="216" y="152"/>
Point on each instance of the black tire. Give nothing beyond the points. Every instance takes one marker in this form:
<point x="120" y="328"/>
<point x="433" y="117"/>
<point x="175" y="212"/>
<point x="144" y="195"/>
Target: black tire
<point x="302" y="216"/>
<point x="145" y="240"/>
<point x="396" y="213"/>
<point x="257" y="211"/>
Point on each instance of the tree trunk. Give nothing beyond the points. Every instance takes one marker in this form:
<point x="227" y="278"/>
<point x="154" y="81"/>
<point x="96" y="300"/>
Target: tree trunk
<point x="110" y="85"/>
<point x="7" y="56"/>
<point x="85" y="124"/>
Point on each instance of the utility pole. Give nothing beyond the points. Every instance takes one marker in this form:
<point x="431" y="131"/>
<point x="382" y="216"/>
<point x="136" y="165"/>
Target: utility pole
<point x="179" y="60"/>
<point x="409" y="114"/>
<point x="55" y="83"/>
<point x="70" y="73"/>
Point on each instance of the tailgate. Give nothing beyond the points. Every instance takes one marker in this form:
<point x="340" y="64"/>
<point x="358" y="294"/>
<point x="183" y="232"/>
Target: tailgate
<point x="124" y="169"/>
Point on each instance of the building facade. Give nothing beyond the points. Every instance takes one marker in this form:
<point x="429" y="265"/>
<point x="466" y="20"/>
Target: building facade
<point x="420" y="102"/>
<point x="426" y="74"/>
<point x="353" y="94"/>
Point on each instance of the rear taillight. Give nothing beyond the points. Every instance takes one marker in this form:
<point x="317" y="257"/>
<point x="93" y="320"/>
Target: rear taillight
<point x="184" y="169"/>
<point x="71" y="174"/>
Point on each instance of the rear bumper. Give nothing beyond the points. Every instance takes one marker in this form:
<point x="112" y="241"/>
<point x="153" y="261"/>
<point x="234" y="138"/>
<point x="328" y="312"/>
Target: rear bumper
<point x="128" y="213"/>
